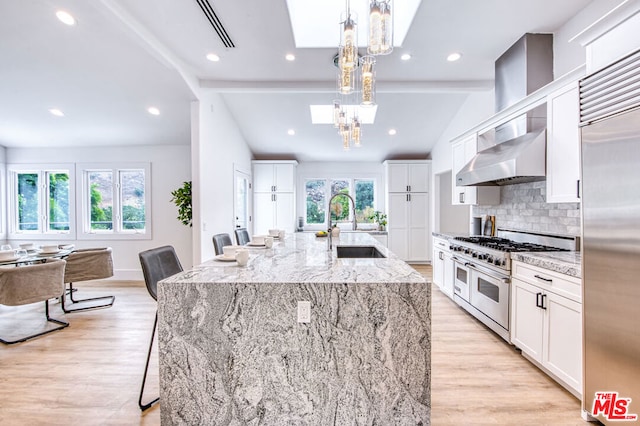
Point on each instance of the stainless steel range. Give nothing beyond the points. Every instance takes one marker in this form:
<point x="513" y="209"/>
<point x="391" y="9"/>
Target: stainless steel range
<point x="482" y="276"/>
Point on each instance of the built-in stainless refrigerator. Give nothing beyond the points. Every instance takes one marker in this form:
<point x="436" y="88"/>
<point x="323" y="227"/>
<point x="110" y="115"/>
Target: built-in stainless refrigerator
<point x="610" y="149"/>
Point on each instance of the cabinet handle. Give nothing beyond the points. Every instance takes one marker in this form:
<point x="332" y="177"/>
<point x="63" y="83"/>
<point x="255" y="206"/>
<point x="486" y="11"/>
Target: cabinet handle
<point x="461" y="197"/>
<point x="440" y="255"/>
<point x="275" y="197"/>
<point x="457" y="289"/>
<point x="275" y="188"/>
<point x="578" y="188"/>
<point x="543" y="304"/>
<point x="543" y="278"/>
<point x="409" y="188"/>
<point x="538" y="300"/>
<point x="409" y="197"/>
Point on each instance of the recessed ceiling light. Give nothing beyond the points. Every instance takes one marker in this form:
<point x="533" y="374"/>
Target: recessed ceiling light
<point x="290" y="57"/>
<point x="65" y="17"/>
<point x="405" y="57"/>
<point x="213" y="57"/>
<point x="454" y="57"/>
<point x="56" y="112"/>
<point x="392" y="132"/>
<point x="153" y="111"/>
<point x="291" y="132"/>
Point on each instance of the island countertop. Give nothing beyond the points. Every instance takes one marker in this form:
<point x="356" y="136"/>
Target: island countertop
<point x="303" y="257"/>
<point x="234" y="348"/>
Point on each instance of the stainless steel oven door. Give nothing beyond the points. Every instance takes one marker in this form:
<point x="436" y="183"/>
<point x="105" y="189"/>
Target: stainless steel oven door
<point x="489" y="292"/>
<point x="461" y="279"/>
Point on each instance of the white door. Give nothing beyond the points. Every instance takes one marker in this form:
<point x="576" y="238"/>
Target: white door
<point x="527" y="318"/>
<point x="418" y="227"/>
<point x="418" y="178"/>
<point x="264" y="217"/>
<point x="447" y="279"/>
<point x="242" y="205"/>
<point x="284" y="178"/>
<point x="438" y="267"/>
<point x="397" y="178"/>
<point x="263" y="178"/>
<point x="284" y="212"/>
<point x="399" y="224"/>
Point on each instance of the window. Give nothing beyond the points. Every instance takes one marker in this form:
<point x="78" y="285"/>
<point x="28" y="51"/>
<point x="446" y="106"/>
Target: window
<point x="40" y="201"/>
<point x="318" y="195"/>
<point x="114" y="201"/>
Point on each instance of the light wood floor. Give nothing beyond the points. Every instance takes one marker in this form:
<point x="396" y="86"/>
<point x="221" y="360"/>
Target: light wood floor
<point x="90" y="372"/>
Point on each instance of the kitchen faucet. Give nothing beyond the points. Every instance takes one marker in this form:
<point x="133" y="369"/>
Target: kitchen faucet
<point x="355" y="223"/>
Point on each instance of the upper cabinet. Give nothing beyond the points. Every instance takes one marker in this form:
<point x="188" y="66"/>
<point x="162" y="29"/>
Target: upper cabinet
<point x="407" y="176"/>
<point x="274" y="176"/>
<point x="462" y="152"/>
<point x="563" y="145"/>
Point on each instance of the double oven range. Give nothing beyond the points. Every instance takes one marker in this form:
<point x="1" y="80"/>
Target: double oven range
<point x="482" y="274"/>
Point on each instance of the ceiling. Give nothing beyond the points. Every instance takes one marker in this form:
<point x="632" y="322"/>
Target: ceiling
<point x="124" y="56"/>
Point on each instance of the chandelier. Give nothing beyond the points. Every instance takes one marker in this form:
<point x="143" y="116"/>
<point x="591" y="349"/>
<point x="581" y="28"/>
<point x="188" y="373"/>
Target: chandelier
<point x="356" y="74"/>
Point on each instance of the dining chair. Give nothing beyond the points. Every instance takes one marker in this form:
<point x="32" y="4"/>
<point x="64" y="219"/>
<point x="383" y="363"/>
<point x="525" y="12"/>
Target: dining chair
<point x="85" y="265"/>
<point x="22" y="285"/>
<point x="219" y="241"/>
<point x="242" y="236"/>
<point x="157" y="264"/>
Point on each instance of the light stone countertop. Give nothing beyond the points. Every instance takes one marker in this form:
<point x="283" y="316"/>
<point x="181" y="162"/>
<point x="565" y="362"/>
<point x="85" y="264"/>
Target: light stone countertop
<point x="563" y="262"/>
<point x="234" y="347"/>
<point x="303" y="257"/>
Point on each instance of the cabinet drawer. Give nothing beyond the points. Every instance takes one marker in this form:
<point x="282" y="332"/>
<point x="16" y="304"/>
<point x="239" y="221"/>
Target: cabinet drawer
<point x="440" y="243"/>
<point x="560" y="284"/>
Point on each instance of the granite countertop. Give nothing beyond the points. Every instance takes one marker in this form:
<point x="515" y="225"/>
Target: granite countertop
<point x="303" y="257"/>
<point x="449" y="235"/>
<point x="563" y="262"/>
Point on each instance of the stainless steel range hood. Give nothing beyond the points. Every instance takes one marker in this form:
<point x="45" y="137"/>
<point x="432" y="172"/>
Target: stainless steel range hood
<point x="518" y="160"/>
<point x="516" y="150"/>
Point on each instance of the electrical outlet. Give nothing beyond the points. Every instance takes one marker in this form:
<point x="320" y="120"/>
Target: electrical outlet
<point x="304" y="311"/>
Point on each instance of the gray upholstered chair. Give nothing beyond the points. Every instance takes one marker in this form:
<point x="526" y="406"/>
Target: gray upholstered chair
<point x="157" y="264"/>
<point x="219" y="241"/>
<point x="22" y="285"/>
<point x="242" y="236"/>
<point x="85" y="265"/>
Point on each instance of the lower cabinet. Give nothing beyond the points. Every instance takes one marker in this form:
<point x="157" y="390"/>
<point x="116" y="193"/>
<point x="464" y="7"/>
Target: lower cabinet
<point x="273" y="211"/>
<point x="442" y="262"/>
<point x="547" y="326"/>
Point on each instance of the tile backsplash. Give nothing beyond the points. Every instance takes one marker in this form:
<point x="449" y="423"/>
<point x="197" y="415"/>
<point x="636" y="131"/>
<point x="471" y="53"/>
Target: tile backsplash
<point x="523" y="208"/>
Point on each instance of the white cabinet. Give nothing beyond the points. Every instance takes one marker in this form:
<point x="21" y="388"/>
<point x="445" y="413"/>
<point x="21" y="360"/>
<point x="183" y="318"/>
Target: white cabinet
<point x="273" y="196"/>
<point x="381" y="238"/>
<point x="462" y="152"/>
<point x="407" y="177"/>
<point x="408" y="209"/>
<point x="442" y="262"/>
<point x="408" y="226"/>
<point x="274" y="176"/>
<point x="563" y="145"/>
<point x="546" y="322"/>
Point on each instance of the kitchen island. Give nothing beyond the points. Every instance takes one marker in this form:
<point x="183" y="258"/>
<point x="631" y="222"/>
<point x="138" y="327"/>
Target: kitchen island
<point x="232" y="349"/>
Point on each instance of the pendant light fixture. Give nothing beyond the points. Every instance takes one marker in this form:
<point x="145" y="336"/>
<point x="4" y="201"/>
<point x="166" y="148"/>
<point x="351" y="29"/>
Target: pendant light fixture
<point x="368" y="81"/>
<point x="380" y="28"/>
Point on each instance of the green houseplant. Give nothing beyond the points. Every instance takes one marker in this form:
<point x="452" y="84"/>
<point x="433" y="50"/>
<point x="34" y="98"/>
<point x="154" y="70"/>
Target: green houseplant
<point x="379" y="218"/>
<point x="182" y="199"/>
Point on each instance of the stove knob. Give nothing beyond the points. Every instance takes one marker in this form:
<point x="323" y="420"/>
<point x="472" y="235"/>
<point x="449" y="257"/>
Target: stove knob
<point x="496" y="262"/>
<point x="482" y="256"/>
<point x="489" y="259"/>
<point x="475" y="254"/>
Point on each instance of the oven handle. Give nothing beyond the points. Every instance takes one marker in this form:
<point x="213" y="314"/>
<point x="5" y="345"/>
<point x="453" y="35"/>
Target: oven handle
<point x="505" y="280"/>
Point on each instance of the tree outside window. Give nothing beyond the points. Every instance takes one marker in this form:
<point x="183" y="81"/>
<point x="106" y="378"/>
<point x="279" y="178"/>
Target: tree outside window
<point x="364" y="200"/>
<point x="315" y="190"/>
<point x="339" y="207"/>
<point x="33" y="204"/>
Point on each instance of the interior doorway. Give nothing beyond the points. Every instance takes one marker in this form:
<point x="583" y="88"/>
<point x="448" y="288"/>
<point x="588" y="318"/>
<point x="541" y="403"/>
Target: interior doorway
<point x="242" y="204"/>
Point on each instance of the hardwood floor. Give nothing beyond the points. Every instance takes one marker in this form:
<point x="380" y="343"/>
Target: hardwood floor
<point x="90" y="372"/>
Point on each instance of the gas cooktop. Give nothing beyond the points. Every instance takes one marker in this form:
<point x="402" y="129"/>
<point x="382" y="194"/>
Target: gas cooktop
<point x="506" y="245"/>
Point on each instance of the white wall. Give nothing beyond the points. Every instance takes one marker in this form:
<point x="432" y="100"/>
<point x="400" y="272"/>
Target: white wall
<point x="218" y="147"/>
<point x="327" y="170"/>
<point x="170" y="166"/>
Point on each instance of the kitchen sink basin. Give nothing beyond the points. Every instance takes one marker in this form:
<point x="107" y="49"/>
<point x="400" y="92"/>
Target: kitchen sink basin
<point x="368" y="252"/>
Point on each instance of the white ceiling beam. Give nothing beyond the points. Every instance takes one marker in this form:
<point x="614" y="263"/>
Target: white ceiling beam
<point x="464" y="86"/>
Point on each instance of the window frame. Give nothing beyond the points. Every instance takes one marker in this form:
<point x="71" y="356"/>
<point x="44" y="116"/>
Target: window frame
<point x="43" y="171"/>
<point x="84" y="204"/>
<point x="327" y="191"/>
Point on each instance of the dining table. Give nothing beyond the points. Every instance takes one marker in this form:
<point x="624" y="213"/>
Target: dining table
<point x="36" y="256"/>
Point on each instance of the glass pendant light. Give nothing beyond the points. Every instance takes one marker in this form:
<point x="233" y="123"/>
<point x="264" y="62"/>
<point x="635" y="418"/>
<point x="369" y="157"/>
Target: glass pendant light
<point x="349" y="40"/>
<point x="336" y="113"/>
<point x="356" y="132"/>
<point x="380" y="28"/>
<point x="345" y="140"/>
<point x="368" y="81"/>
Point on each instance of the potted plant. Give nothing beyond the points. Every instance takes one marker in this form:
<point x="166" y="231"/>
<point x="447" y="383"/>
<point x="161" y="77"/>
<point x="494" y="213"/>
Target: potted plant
<point x="379" y="218"/>
<point x="182" y="199"/>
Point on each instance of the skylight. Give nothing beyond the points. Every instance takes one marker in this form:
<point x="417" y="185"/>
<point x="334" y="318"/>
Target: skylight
<point x="317" y="26"/>
<point x="323" y="114"/>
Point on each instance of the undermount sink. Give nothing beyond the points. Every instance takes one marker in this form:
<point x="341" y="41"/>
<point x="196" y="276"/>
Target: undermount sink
<point x="368" y="252"/>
